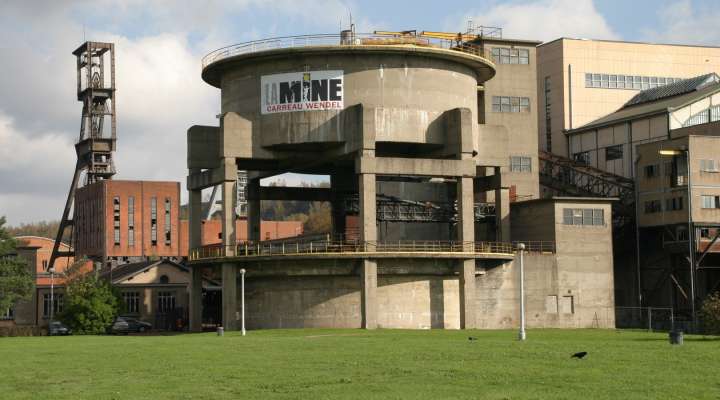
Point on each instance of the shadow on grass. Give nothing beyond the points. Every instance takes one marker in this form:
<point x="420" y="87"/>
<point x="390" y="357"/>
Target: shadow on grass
<point x="685" y="339"/>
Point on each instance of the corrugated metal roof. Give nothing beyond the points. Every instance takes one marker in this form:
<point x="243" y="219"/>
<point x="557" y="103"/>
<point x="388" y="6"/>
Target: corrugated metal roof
<point x="674" y="89"/>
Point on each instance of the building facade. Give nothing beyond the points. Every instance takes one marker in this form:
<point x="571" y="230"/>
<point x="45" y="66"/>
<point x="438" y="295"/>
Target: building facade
<point x="127" y="220"/>
<point x="582" y="80"/>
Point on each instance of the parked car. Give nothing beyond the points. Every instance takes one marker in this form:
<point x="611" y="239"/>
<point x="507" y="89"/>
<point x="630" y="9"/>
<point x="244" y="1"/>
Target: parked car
<point x="128" y="325"/>
<point x="56" y="328"/>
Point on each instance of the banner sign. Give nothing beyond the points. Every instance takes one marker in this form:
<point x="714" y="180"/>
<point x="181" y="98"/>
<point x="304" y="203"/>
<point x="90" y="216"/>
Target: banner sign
<point x="301" y="91"/>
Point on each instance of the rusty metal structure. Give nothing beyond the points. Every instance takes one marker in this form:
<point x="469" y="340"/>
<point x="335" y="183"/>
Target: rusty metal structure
<point x="97" y="139"/>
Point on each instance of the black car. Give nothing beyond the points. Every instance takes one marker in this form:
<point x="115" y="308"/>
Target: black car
<point x="56" y="328"/>
<point x="128" y="325"/>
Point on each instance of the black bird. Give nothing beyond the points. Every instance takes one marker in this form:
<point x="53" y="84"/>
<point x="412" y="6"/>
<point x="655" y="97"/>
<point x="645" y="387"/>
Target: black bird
<point x="471" y="338"/>
<point x="579" y="355"/>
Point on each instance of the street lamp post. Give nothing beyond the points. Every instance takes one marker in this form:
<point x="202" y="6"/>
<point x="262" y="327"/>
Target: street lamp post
<point x="52" y="292"/>
<point x="691" y="239"/>
<point x="691" y="242"/>
<point x="521" y="334"/>
<point x="242" y="300"/>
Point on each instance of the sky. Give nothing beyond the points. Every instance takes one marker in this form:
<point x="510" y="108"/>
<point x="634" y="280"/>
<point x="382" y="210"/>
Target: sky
<point x="159" y="45"/>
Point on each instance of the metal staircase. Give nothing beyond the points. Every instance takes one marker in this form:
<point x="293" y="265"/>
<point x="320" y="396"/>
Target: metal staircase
<point x="571" y="178"/>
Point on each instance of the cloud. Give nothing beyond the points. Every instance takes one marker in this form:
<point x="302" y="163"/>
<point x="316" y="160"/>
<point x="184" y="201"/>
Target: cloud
<point x="683" y="23"/>
<point x="159" y="46"/>
<point x="542" y="20"/>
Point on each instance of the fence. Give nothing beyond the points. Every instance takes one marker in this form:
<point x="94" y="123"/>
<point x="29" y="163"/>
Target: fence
<point x="650" y="318"/>
<point x="348" y="39"/>
<point x="315" y="245"/>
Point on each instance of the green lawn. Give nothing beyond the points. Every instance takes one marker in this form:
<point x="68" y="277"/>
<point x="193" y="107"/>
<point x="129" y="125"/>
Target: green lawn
<point x="360" y="364"/>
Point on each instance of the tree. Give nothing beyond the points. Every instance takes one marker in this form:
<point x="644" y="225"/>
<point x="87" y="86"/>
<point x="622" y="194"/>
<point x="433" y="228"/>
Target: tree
<point x="90" y="304"/>
<point x="16" y="281"/>
<point x="710" y="313"/>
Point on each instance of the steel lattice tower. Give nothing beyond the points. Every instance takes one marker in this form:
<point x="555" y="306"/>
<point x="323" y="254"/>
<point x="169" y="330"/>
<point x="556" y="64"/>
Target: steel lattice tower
<point x="96" y="144"/>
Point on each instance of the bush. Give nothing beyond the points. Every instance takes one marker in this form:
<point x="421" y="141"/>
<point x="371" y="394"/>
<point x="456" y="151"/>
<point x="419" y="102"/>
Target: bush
<point x="710" y="314"/>
<point x="91" y="305"/>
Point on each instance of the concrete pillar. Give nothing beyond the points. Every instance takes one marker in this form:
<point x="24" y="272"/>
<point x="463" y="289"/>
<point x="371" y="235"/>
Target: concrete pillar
<point x="466" y="234"/>
<point x="368" y="294"/>
<point x="195" y="241"/>
<point x="368" y="219"/>
<point x="229" y="237"/>
<point x="468" y="311"/>
<point x="466" y="212"/>
<point x="502" y="214"/>
<point x="229" y="296"/>
<point x="196" y="298"/>
<point x="253" y="210"/>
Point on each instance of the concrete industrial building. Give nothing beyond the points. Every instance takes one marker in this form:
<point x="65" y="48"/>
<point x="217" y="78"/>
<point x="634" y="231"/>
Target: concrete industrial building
<point x="388" y="118"/>
<point x="680" y="118"/>
<point x="581" y="80"/>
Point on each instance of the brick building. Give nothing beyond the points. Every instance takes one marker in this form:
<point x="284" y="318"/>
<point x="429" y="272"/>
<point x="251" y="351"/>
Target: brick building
<point x="127" y="221"/>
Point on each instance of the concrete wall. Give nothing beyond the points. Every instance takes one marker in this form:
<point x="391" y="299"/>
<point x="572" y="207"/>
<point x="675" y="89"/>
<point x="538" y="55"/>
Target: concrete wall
<point x="516" y="80"/>
<point x="566" y="290"/>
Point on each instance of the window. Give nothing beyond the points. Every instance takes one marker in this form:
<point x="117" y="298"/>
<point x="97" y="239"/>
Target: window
<point x="582" y="158"/>
<point x="131" y="221"/>
<point x="708" y="166"/>
<point x="653" y="206"/>
<point x="116" y="221"/>
<point x="551" y="304"/>
<point x="614" y="152"/>
<point x="168" y="226"/>
<point x="651" y="171"/>
<point x="166" y="302"/>
<point x="505" y="55"/>
<point x="9" y="314"/>
<point x="153" y="221"/>
<point x="674" y="204"/>
<point x="548" y="119"/>
<point x="520" y="164"/>
<point x="567" y="305"/>
<point x="510" y="104"/>
<point x="710" y="201"/>
<point x="132" y="302"/>
<point x="56" y="301"/>
<point x="584" y="216"/>
<point x="626" y="82"/>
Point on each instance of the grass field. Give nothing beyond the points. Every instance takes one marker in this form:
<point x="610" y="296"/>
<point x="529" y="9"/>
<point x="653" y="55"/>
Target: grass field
<point x="361" y="365"/>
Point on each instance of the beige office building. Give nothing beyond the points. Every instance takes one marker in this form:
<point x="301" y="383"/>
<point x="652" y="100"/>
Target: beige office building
<point x="580" y="80"/>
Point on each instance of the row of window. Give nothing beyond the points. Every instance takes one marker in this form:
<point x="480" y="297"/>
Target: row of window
<point x="507" y="55"/>
<point x="512" y="104"/>
<point x="611" y="153"/>
<point x="584" y="216"/>
<point x="165" y="304"/>
<point x="710" y="201"/>
<point x="607" y="81"/>
<point x="131" y="221"/>
<point x="671" y="204"/>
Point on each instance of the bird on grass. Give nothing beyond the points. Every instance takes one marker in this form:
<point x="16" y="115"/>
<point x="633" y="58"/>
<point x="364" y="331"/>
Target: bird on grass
<point x="471" y="338"/>
<point x="579" y="355"/>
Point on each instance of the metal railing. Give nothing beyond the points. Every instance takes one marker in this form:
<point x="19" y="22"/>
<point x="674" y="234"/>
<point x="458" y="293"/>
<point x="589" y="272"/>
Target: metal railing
<point x="276" y="248"/>
<point x="330" y="246"/>
<point x="349" y="39"/>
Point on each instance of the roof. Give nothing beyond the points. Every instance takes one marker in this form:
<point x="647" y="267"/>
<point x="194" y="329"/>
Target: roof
<point x="661" y="104"/>
<point x="674" y="89"/>
<point x="628" y="42"/>
<point x="125" y="271"/>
